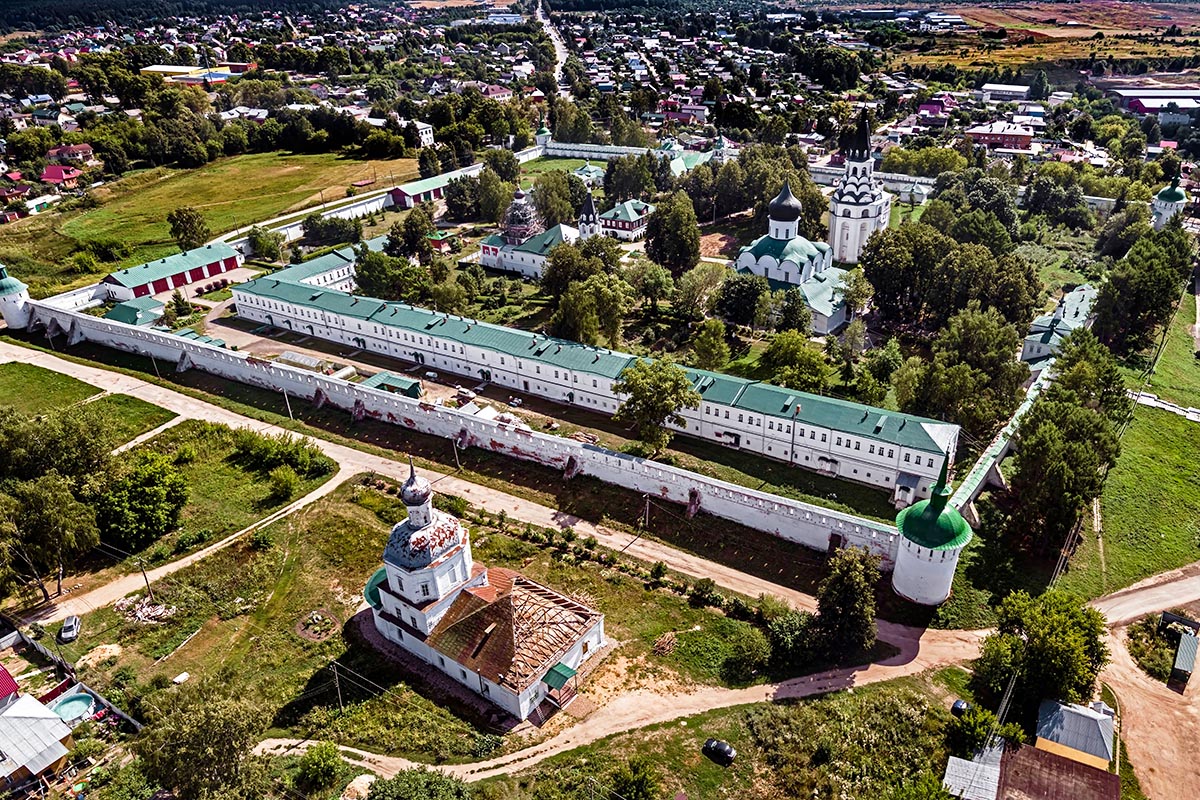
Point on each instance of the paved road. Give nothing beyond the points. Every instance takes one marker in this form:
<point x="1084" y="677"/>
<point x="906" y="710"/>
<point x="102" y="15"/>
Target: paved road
<point x="560" y="48"/>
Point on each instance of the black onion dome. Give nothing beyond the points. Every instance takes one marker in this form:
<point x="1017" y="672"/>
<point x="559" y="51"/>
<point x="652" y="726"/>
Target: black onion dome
<point x="786" y="206"/>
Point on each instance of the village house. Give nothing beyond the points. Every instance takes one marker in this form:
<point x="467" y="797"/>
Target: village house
<point x="72" y="153"/>
<point x="62" y="176"/>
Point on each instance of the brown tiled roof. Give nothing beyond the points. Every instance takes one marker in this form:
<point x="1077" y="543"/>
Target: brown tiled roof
<point x="512" y="630"/>
<point x="1027" y="773"/>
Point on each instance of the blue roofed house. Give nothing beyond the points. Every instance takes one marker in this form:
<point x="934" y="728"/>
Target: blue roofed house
<point x="1046" y="333"/>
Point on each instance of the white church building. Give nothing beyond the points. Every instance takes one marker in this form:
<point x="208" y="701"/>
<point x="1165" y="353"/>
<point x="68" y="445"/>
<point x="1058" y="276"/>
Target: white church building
<point x="507" y="638"/>
<point x="859" y="206"/>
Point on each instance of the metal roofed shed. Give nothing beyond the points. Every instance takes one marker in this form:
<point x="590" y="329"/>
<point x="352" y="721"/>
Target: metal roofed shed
<point x="1185" y="658"/>
<point x="33" y="739"/>
<point x="397" y="384"/>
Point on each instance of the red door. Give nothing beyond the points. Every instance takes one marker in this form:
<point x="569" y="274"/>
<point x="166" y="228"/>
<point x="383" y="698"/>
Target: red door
<point x="160" y="285"/>
<point x="230" y="263"/>
<point x="196" y="275"/>
<point x="179" y="279"/>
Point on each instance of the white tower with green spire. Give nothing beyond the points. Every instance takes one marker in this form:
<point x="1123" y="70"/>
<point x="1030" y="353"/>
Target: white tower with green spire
<point x="932" y="535"/>
<point x="542" y="137"/>
<point x="1167" y="203"/>
<point x="14" y="300"/>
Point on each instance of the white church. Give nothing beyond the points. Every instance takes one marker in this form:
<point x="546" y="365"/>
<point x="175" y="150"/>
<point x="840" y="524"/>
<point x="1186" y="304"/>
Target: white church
<point x="509" y="639"/>
<point x="859" y="206"/>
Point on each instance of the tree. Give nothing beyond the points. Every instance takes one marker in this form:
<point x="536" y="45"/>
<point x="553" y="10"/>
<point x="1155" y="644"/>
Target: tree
<point x="428" y="163"/>
<point x="494" y="196"/>
<point x="997" y="197"/>
<point x="740" y="295"/>
<point x="672" y="234"/>
<point x="613" y="299"/>
<point x="1137" y="298"/>
<point x="636" y="779"/>
<point x="265" y="244"/>
<point x="696" y="288"/>
<point x="414" y="235"/>
<point x="846" y="603"/>
<point x="552" y="198"/>
<point x="565" y="266"/>
<point x="380" y="275"/>
<point x="504" y="163"/>
<point x="576" y="317"/>
<point x="791" y="636"/>
<point x="1089" y="377"/>
<point x="971" y="731"/>
<point x="939" y="215"/>
<point x="320" y="766"/>
<point x="627" y="178"/>
<point x="198" y="743"/>
<point x="882" y="362"/>
<point x="52" y="527"/>
<point x="709" y="350"/>
<point x="419" y="784"/>
<point x="900" y="264"/>
<point x="792" y="363"/>
<point x="856" y="290"/>
<point x="188" y="228"/>
<point x="982" y="227"/>
<point x="794" y="313"/>
<point x="1039" y="87"/>
<point x="143" y="503"/>
<point x="651" y="282"/>
<point x="655" y="393"/>
<point x="462" y="198"/>
<point x="1053" y="644"/>
<point x="605" y="251"/>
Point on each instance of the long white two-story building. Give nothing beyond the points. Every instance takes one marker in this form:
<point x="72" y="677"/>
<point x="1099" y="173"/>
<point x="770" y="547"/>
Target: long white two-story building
<point x="897" y="452"/>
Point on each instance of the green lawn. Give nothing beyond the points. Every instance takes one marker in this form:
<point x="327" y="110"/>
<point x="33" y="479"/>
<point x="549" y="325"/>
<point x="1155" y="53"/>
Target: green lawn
<point x="902" y="213"/>
<point x="34" y="390"/>
<point x="1150" y="507"/>
<point x="130" y="417"/>
<point x="1177" y="376"/>
<point x="536" y="167"/>
<point x="230" y="192"/>
<point x="864" y="744"/>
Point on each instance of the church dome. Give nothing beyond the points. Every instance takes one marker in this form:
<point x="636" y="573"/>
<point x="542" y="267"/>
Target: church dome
<point x="521" y="220"/>
<point x="933" y="523"/>
<point x="416" y="491"/>
<point x="1172" y="193"/>
<point x="418" y="548"/>
<point x="786" y="206"/>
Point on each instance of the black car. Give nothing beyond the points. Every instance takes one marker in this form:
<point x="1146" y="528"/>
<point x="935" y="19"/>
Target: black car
<point x="719" y="752"/>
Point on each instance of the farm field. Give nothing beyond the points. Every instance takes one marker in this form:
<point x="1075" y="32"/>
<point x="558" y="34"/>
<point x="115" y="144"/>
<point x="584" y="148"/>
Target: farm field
<point x="33" y="390"/>
<point x="1080" y="20"/>
<point x="1150" y="509"/>
<point x="230" y="192"/>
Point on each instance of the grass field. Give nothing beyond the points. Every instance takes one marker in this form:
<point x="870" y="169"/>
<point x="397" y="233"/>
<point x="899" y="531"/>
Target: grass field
<point x="859" y="744"/>
<point x="1177" y="375"/>
<point x="230" y="192"/>
<point x="531" y="169"/>
<point x="130" y="417"/>
<point x="1150" y="508"/>
<point x="33" y="390"/>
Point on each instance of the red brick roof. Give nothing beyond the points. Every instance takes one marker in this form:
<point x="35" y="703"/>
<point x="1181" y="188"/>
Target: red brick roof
<point x="1027" y="773"/>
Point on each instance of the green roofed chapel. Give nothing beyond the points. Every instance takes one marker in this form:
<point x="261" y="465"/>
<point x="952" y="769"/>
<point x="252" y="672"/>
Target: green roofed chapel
<point x="932" y="535"/>
<point x="515" y="642"/>
<point x="1170" y="201"/>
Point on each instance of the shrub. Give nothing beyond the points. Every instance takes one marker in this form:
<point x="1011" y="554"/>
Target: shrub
<point x="737" y="608"/>
<point x="187" y="539"/>
<point x="284" y="483"/>
<point x="749" y="653"/>
<point x="265" y="453"/>
<point x="88" y="748"/>
<point x="704" y="593"/>
<point x="319" y="766"/>
<point x="486" y="744"/>
<point x="451" y="504"/>
<point x="791" y="637"/>
<point x="1152" y="652"/>
<point x="658" y="572"/>
<point x="262" y="539"/>
<point x="186" y="454"/>
<point x="969" y="732"/>
<point x="770" y="607"/>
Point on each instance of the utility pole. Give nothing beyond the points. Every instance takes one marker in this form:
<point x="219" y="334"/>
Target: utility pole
<point x="337" y="685"/>
<point x="149" y="591"/>
<point x="646" y="514"/>
<point x="154" y="361"/>
<point x="457" y="463"/>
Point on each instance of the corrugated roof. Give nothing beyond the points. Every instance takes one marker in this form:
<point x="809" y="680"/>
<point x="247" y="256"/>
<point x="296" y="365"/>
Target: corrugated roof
<point x="171" y="265"/>
<point x="823" y="292"/>
<point x="629" y="211"/>
<point x="798" y="250"/>
<point x="1077" y="727"/>
<point x="31" y="736"/>
<point x="1185" y="654"/>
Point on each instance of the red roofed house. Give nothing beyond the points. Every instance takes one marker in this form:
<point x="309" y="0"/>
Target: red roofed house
<point x="68" y="153"/>
<point x="498" y="93"/>
<point x="62" y="176"/>
<point x="515" y="642"/>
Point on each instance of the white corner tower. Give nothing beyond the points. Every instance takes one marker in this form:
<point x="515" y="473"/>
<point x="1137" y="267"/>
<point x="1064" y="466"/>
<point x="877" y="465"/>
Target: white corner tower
<point x="859" y="206"/>
<point x="542" y="137"/>
<point x="14" y="300"/>
<point x="1167" y="203"/>
<point x="932" y="535"/>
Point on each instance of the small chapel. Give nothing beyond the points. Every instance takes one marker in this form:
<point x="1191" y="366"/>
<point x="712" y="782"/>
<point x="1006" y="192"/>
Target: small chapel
<point x="511" y="640"/>
<point x="859" y="206"/>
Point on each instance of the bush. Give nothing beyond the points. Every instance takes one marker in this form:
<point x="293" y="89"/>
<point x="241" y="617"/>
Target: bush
<point x="968" y="733"/>
<point x="284" y="483"/>
<point x="319" y="766"/>
<point x="188" y="539"/>
<point x="704" y="593"/>
<point x="262" y="539"/>
<point x="1152" y="652"/>
<point x="265" y="453"/>
<point x="749" y="653"/>
<point x="791" y="637"/>
<point x="658" y="572"/>
<point x="770" y="607"/>
<point x="486" y="744"/>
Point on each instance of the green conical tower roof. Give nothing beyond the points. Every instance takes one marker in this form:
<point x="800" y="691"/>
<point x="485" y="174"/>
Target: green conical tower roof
<point x="1172" y="193"/>
<point x="542" y="131"/>
<point x="934" y="523"/>
<point x="8" y="284"/>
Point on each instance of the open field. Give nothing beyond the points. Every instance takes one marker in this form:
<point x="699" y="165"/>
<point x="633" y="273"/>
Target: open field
<point x="230" y="192"/>
<point x="128" y="417"/>
<point x="1177" y="375"/>
<point x="33" y="390"/>
<point x="1083" y="19"/>
<point x="1150" y="508"/>
<point x="812" y="748"/>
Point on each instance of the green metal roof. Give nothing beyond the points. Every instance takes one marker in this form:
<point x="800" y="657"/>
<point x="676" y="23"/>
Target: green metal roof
<point x="393" y="382"/>
<point x="138" y="311"/>
<point x="823" y="292"/>
<point x="171" y="265"/>
<point x="544" y="242"/>
<point x="371" y="590"/>
<point x="798" y="250"/>
<point x="933" y="523"/>
<point x="629" y="211"/>
<point x="9" y="284"/>
<point x="1172" y="193"/>
<point x="558" y="676"/>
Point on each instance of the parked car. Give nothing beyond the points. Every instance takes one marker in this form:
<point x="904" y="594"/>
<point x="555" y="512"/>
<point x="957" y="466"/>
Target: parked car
<point x="719" y="752"/>
<point x="432" y="376"/>
<point x="960" y="707"/>
<point x="70" y="629"/>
